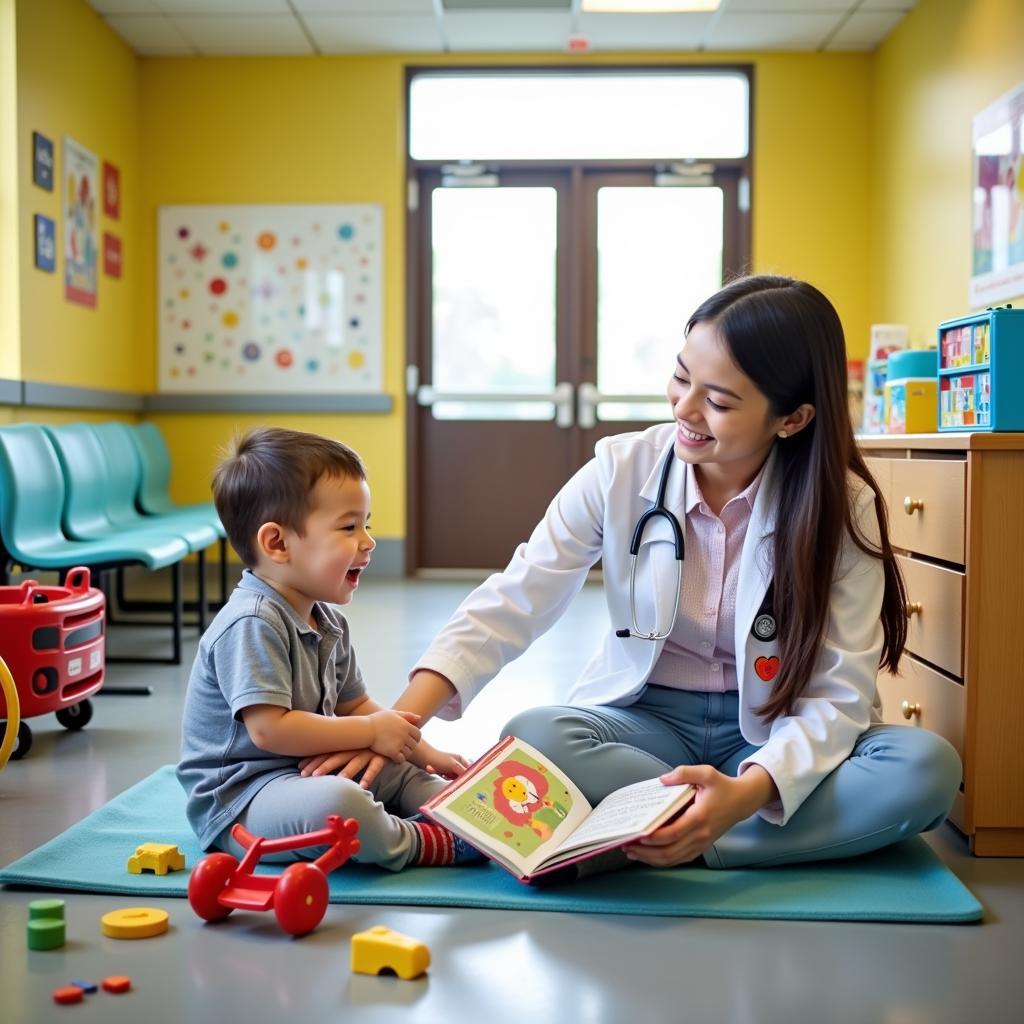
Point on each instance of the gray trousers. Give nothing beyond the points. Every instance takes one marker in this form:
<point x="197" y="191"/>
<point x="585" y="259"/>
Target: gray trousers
<point x="897" y="782"/>
<point x="291" y="804"/>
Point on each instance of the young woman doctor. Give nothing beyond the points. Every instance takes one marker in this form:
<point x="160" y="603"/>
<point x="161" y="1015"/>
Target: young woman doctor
<point x="762" y="694"/>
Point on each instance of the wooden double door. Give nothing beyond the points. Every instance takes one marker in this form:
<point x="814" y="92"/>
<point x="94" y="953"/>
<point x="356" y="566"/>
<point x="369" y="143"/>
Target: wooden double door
<point x="546" y="307"/>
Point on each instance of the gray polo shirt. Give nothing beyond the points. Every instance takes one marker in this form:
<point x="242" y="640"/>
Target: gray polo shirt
<point x="257" y="650"/>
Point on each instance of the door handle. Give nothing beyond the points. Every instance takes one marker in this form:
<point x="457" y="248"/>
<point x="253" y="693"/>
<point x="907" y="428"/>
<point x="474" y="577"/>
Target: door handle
<point x="561" y="397"/>
<point x="588" y="396"/>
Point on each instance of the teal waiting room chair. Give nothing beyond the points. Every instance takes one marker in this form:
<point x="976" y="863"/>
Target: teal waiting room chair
<point x="154" y="497"/>
<point x="32" y="501"/>
<point x="94" y="509"/>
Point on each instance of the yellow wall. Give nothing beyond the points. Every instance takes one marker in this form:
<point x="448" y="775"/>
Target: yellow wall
<point x="10" y="347"/>
<point x="76" y="77"/>
<point x="948" y="60"/>
<point x="277" y="130"/>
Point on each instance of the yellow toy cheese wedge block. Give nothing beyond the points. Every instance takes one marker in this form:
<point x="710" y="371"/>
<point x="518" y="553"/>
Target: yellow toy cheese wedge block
<point x="380" y="948"/>
<point x="134" y="923"/>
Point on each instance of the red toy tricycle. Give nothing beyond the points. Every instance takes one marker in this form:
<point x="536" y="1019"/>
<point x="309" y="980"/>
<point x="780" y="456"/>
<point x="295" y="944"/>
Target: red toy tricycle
<point x="219" y="883"/>
<point x="52" y="639"/>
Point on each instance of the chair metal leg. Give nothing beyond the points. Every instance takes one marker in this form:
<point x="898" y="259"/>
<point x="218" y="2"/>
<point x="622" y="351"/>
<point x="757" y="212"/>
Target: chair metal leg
<point x="124" y="603"/>
<point x="177" y="618"/>
<point x="223" y="571"/>
<point x="201" y="595"/>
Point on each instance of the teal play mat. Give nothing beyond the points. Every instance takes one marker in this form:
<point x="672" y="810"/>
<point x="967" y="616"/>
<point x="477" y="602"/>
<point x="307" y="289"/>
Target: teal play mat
<point x="906" y="882"/>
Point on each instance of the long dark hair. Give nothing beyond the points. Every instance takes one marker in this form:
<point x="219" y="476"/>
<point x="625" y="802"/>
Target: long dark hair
<point x="787" y="338"/>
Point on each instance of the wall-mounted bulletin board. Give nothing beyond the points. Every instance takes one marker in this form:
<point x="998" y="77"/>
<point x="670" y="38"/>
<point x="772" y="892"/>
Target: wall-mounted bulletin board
<point x="270" y="298"/>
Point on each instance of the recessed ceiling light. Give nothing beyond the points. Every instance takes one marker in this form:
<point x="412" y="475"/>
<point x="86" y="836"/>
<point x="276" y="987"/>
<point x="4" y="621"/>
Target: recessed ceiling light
<point x="648" y="6"/>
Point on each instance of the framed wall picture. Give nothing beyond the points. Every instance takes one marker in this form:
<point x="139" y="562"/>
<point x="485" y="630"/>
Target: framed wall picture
<point x="42" y="161"/>
<point x="258" y="299"/>
<point x="81" y="202"/>
<point x="111" y="255"/>
<point x="45" y="243"/>
<point x="111" y="191"/>
<point x="997" y="266"/>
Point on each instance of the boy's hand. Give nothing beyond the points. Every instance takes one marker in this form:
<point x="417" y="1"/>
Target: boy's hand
<point x="346" y="763"/>
<point x="394" y="733"/>
<point x="448" y="766"/>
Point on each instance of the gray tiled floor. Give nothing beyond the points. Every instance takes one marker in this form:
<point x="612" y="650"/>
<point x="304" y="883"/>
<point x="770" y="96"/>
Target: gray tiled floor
<point x="498" y="965"/>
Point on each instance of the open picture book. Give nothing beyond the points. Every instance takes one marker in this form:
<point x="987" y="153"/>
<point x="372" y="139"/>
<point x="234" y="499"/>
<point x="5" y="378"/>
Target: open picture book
<point x="520" y="810"/>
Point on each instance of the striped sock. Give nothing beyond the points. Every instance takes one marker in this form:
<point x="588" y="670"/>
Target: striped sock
<point x="437" y="844"/>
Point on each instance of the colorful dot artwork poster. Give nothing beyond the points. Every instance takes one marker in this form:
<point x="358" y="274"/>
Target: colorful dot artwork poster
<point x="270" y="298"/>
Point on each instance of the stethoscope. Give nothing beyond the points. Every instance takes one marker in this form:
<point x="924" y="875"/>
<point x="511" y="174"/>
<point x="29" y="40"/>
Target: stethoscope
<point x="657" y="510"/>
<point x="765" y="628"/>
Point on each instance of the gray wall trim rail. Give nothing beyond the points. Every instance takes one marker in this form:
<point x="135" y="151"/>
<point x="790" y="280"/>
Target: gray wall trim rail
<point x="271" y="402"/>
<point x="61" y="396"/>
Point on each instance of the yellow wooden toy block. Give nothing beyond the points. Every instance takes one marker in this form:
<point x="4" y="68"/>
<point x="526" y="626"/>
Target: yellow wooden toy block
<point x="380" y="948"/>
<point x="158" y="857"/>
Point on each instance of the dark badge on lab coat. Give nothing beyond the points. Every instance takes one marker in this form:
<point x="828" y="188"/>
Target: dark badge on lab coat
<point x="765" y="627"/>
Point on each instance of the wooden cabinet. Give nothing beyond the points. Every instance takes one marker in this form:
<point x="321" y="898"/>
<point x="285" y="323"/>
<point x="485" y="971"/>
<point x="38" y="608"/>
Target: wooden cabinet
<point x="956" y="518"/>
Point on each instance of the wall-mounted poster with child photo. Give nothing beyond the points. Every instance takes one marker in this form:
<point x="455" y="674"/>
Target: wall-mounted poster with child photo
<point x="270" y="298"/>
<point x="81" y="181"/>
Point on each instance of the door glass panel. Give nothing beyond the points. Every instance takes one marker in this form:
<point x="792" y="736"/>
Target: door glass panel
<point x="494" y="255"/>
<point x="659" y="255"/>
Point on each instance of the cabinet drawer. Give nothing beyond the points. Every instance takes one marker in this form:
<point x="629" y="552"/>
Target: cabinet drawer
<point x="926" y="506"/>
<point x="931" y="700"/>
<point x="935" y="599"/>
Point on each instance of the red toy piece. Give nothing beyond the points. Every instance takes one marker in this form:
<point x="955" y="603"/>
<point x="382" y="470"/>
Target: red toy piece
<point x="219" y="883"/>
<point x="117" y="983"/>
<point x="52" y="640"/>
<point x="67" y="994"/>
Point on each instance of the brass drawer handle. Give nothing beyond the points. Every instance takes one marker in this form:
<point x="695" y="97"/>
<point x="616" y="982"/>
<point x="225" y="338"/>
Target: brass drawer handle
<point x="914" y="608"/>
<point x="910" y="710"/>
<point x="911" y="505"/>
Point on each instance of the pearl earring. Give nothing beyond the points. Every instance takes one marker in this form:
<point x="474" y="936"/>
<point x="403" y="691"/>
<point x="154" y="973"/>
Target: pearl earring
<point x="782" y="433"/>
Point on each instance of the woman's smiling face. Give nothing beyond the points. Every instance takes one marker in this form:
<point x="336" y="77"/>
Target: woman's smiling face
<point x="722" y="419"/>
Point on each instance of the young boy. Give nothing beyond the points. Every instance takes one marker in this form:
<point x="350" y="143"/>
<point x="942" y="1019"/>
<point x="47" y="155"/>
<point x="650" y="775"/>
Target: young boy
<point x="275" y="679"/>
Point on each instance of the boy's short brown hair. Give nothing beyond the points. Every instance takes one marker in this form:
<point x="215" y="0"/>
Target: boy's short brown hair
<point x="269" y="476"/>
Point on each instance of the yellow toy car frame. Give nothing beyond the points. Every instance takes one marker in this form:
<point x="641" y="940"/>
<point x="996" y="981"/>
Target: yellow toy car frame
<point x="157" y="857"/>
<point x="380" y="948"/>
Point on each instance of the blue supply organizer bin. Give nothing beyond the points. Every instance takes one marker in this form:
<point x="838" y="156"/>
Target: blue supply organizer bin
<point x="981" y="371"/>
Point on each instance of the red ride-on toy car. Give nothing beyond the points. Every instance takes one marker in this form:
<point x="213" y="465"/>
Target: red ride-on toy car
<point x="219" y="883"/>
<point x="52" y="639"/>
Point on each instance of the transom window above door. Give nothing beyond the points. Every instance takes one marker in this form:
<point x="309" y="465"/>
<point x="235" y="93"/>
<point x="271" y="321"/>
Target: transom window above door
<point x="573" y="115"/>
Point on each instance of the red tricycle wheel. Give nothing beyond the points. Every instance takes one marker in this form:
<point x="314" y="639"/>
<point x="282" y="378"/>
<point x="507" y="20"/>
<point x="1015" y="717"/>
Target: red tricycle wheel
<point x="75" y="716"/>
<point x="300" y="898"/>
<point x="207" y="881"/>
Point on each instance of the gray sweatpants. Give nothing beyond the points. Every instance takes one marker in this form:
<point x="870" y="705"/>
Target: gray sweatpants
<point x="291" y="804"/>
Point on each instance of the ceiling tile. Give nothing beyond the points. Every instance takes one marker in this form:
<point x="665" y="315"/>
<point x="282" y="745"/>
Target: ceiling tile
<point x="243" y="8"/>
<point x="150" y="35"/>
<point x="268" y="34"/>
<point x="886" y="5"/>
<point x="353" y="33"/>
<point x="643" y="31"/>
<point x="364" y="6"/>
<point x="123" y="6"/>
<point x="786" y="6"/>
<point x="771" y="31"/>
<point x="865" y="31"/>
<point x="504" y="31"/>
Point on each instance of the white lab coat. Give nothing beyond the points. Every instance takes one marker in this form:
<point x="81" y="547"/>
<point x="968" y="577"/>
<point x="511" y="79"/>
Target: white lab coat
<point x="593" y="517"/>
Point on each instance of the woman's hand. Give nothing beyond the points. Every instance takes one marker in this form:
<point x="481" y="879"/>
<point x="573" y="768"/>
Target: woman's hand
<point x="720" y="803"/>
<point x="448" y="766"/>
